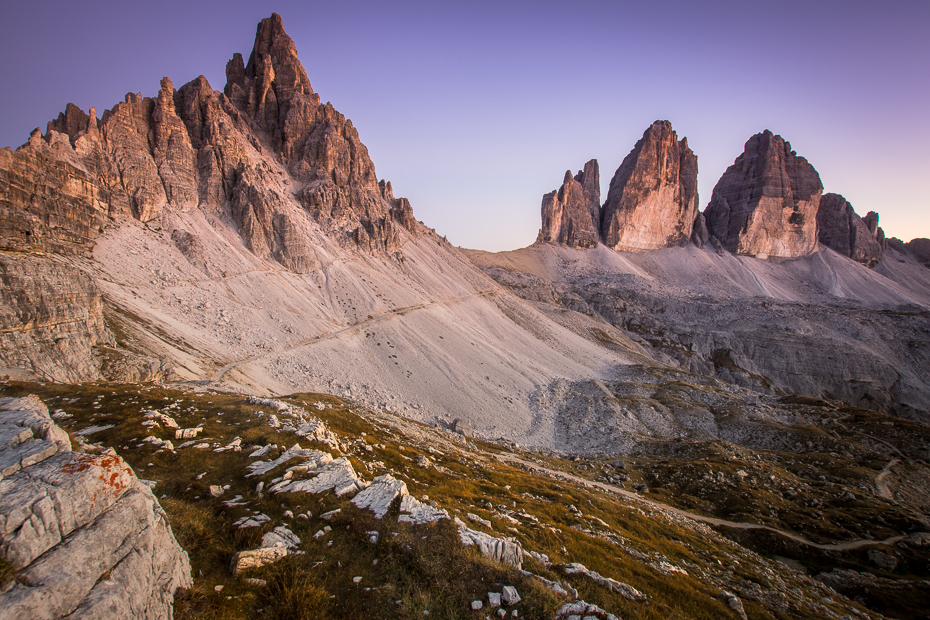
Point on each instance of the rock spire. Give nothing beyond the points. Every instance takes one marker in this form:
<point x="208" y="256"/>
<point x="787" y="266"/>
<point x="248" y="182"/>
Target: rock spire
<point x="571" y="214"/>
<point x="652" y="201"/>
<point x="766" y="203"/>
<point x="840" y="229"/>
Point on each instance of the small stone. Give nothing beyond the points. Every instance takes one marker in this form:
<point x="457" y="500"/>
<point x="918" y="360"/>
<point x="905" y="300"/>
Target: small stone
<point x="256" y="583"/>
<point x="356" y="579"/>
<point x="216" y="491"/>
<point x="494" y="599"/>
<point x="217" y="588"/>
<point x="476" y="605"/>
<point x="510" y="596"/>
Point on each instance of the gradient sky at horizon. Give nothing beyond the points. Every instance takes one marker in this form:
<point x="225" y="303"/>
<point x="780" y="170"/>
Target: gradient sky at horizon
<point x="475" y="110"/>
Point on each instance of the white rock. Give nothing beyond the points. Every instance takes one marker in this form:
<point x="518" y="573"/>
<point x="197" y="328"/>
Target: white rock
<point x="255" y="558"/>
<point x="494" y="599"/>
<point x="500" y="549"/>
<point x="477" y="519"/>
<point x="476" y="605"/>
<point x="281" y="537"/>
<point x="313" y="458"/>
<point x="215" y="490"/>
<point x="623" y="589"/>
<point x="187" y="433"/>
<point x="379" y="495"/>
<point x="337" y="475"/>
<point x="509" y="596"/>
<point x="416" y="512"/>
<point x="262" y="451"/>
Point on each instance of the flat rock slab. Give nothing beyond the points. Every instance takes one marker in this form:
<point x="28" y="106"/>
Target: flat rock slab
<point x="625" y="590"/>
<point x="337" y="475"/>
<point x="416" y="512"/>
<point x="312" y="458"/>
<point x="380" y="494"/>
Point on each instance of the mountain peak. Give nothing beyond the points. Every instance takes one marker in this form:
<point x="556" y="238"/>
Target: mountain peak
<point x="652" y="200"/>
<point x="766" y="203"/>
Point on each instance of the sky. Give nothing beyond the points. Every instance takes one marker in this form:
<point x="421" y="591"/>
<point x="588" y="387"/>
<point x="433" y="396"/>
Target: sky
<point x="474" y="110"/>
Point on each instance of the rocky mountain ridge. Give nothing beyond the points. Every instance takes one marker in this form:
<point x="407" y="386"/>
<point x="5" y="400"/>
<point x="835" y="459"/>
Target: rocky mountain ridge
<point x="768" y="204"/>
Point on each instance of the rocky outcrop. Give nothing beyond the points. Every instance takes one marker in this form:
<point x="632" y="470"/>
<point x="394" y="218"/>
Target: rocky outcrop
<point x="920" y="249"/>
<point x="840" y="229"/>
<point x="766" y="203"/>
<point x="86" y="537"/>
<point x="198" y="147"/>
<point x="51" y="319"/>
<point x="265" y="154"/>
<point x="571" y="214"/>
<point x="653" y="199"/>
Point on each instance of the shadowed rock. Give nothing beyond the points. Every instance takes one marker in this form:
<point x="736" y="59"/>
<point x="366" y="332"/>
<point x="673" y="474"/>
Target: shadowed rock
<point x="840" y="229"/>
<point x="766" y="203"/>
<point x="571" y="214"/>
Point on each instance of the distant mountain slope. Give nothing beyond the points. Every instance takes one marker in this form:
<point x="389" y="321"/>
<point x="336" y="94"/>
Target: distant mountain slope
<point x="819" y="325"/>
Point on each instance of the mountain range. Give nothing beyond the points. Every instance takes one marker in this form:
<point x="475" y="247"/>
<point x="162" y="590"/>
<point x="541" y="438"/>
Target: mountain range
<point x="241" y="239"/>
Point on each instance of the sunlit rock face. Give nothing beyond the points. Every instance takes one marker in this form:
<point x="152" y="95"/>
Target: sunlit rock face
<point x="653" y="200"/>
<point x="840" y="229"/>
<point x="571" y="214"/>
<point x="765" y="204"/>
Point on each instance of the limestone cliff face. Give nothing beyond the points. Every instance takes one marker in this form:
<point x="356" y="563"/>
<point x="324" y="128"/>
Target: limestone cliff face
<point x="652" y="201"/>
<point x="840" y="229"/>
<point x="264" y="154"/>
<point x="199" y="148"/>
<point x="51" y="319"/>
<point x="571" y="214"/>
<point x="86" y="537"/>
<point x="766" y="203"/>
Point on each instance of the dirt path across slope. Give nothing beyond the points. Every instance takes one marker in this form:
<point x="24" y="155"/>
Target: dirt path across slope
<point x="844" y="546"/>
<point x="218" y="377"/>
<point x="880" y="480"/>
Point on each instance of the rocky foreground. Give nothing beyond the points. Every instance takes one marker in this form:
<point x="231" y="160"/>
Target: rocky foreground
<point x="311" y="504"/>
<point x="83" y="535"/>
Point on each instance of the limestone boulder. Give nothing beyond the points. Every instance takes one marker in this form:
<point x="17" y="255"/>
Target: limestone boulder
<point x="653" y="200"/>
<point x="87" y="538"/>
<point x="766" y="203"/>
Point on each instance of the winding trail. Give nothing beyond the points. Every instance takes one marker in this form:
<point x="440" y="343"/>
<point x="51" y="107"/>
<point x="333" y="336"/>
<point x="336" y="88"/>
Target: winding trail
<point x="843" y="546"/>
<point x="396" y="312"/>
<point x="880" y="480"/>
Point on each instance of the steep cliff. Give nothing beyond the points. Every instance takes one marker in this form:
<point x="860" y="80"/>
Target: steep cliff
<point x="265" y="155"/>
<point x="571" y="214"/>
<point x="653" y="199"/>
<point x="766" y="203"/>
<point x="840" y="229"/>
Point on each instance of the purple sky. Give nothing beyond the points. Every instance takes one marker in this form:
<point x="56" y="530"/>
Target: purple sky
<point x="475" y="111"/>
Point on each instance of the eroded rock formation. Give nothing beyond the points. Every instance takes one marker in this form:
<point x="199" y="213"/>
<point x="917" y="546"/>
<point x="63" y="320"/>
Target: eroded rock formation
<point x="86" y="537"/>
<point x="265" y="154"/>
<point x="840" y="229"/>
<point x="766" y="203"/>
<point x="571" y="214"/>
<point x="653" y="199"/>
<point x="221" y="151"/>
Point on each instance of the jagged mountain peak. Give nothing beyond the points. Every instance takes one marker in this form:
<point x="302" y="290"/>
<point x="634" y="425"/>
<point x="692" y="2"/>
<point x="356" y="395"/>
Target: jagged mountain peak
<point x="766" y="203"/>
<point x="652" y="200"/>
